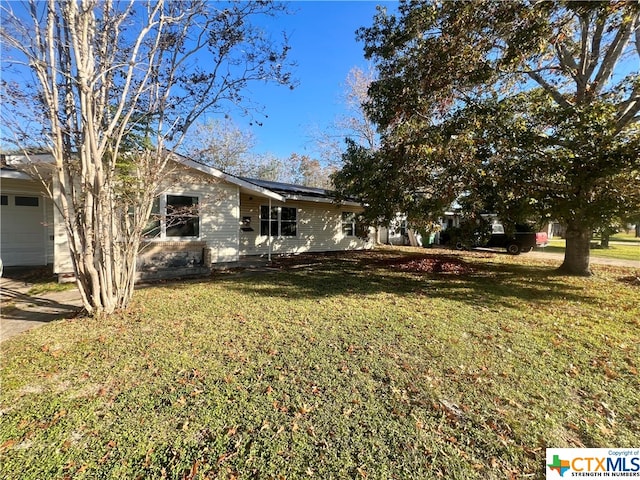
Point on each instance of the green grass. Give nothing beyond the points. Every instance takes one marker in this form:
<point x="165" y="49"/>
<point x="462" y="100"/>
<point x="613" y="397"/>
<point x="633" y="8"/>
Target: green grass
<point x="628" y="251"/>
<point x="50" y="287"/>
<point x="363" y="365"/>
<point x="625" y="237"/>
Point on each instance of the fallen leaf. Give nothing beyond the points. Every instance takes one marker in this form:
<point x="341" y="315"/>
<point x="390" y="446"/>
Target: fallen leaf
<point x="7" y="445"/>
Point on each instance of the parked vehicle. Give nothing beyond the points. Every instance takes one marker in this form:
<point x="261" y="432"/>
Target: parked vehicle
<point x="523" y="240"/>
<point x="489" y="232"/>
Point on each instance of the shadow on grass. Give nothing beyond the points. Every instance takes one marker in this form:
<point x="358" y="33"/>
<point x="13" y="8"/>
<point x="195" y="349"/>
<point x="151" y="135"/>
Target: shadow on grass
<point x="360" y="274"/>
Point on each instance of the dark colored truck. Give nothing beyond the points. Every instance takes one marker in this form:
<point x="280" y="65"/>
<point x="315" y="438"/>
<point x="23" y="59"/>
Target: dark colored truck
<point x="521" y="241"/>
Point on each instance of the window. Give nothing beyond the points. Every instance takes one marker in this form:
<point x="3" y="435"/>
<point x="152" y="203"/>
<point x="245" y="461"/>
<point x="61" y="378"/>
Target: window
<point x="182" y="218"/>
<point x="27" y="201"/>
<point x="283" y="221"/>
<point x="288" y="222"/>
<point x="265" y="218"/>
<point x="349" y="224"/>
<point x="4" y="200"/>
<point x="174" y="216"/>
<point x="153" y="225"/>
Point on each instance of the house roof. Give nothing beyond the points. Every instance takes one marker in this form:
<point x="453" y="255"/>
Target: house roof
<point x="299" y="192"/>
<point x="275" y="190"/>
<point x="245" y="186"/>
<point x="10" y="172"/>
<point x="11" y="162"/>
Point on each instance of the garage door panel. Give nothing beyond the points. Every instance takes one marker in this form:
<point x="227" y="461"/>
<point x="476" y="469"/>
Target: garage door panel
<point x="22" y="230"/>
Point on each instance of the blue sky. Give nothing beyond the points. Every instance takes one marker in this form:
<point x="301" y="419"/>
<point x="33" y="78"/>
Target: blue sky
<point x="323" y="40"/>
<point x="323" y="45"/>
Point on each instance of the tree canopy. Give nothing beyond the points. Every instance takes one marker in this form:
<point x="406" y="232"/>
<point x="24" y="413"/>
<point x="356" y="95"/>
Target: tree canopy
<point x="526" y="110"/>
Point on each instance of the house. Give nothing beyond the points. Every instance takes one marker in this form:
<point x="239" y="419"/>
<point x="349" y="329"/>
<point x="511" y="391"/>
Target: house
<point x="232" y="218"/>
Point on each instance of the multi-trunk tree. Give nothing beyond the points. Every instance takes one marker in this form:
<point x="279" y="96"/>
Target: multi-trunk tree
<point x="116" y="86"/>
<point x="524" y="109"/>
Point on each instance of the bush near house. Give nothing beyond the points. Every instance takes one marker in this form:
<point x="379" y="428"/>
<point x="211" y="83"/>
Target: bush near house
<point x="385" y="364"/>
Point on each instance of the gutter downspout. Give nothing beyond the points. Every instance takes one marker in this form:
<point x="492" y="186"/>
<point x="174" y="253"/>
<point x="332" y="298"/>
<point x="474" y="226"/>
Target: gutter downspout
<point x="269" y="240"/>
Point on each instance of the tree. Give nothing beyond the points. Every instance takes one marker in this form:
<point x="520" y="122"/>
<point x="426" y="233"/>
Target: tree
<point x="303" y="170"/>
<point x="223" y="145"/>
<point x="525" y="108"/>
<point x="355" y="124"/>
<point x="117" y="86"/>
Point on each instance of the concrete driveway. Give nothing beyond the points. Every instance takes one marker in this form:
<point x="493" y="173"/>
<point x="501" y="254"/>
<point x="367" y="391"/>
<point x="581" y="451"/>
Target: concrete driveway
<point x="20" y="311"/>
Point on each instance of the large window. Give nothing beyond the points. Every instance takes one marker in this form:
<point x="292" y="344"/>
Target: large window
<point x="174" y="216"/>
<point x="283" y="221"/>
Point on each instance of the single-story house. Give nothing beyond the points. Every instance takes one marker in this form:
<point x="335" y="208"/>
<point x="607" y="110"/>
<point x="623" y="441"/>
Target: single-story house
<point x="234" y="218"/>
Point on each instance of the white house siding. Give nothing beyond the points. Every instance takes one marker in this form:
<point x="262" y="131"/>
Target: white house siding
<point x="218" y="210"/>
<point x="319" y="228"/>
<point x="26" y="231"/>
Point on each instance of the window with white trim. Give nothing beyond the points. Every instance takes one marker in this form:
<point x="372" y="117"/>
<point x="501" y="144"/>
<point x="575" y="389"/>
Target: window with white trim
<point x="349" y="224"/>
<point x="283" y="221"/>
<point x="174" y="216"/>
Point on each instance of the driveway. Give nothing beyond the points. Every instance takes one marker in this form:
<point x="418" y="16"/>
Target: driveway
<point x="20" y="311"/>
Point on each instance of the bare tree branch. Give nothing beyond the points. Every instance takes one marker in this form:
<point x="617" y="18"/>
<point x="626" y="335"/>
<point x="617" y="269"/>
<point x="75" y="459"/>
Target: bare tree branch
<point x="555" y="94"/>
<point x="614" y="52"/>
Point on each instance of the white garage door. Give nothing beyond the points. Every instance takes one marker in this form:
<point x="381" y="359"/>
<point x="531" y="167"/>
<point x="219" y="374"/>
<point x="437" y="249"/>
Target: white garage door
<point x="22" y="230"/>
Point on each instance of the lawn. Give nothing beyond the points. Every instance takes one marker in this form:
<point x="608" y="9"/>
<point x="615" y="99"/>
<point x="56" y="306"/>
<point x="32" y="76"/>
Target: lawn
<point x="623" y="248"/>
<point x="380" y="365"/>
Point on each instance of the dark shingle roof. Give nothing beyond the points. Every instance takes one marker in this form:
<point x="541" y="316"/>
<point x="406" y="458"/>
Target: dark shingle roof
<point x="290" y="190"/>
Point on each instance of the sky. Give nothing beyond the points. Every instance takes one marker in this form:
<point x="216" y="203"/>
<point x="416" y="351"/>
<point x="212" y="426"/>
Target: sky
<point x="324" y="48"/>
<point x="323" y="40"/>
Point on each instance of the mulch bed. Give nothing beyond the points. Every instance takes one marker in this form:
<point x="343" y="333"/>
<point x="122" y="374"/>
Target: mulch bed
<point x="435" y="265"/>
<point x="434" y="262"/>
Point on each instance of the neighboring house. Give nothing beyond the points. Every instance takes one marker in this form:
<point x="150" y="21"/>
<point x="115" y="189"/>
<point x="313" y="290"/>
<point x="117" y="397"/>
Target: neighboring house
<point x="396" y="233"/>
<point x="234" y="217"/>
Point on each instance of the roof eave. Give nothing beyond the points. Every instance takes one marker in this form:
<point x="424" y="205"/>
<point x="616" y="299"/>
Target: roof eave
<point x="214" y="172"/>
<point x="14" y="174"/>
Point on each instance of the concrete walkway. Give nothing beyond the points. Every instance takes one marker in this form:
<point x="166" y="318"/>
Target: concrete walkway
<point x="20" y="311"/>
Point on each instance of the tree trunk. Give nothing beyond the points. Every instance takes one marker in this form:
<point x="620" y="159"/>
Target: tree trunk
<point x="604" y="238"/>
<point x="576" y="255"/>
<point x="638" y="229"/>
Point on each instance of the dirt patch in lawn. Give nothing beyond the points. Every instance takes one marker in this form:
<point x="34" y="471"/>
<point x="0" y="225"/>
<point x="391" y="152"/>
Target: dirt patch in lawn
<point x="632" y="280"/>
<point x="437" y="264"/>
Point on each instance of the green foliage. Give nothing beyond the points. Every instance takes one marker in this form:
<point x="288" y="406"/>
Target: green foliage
<point x="353" y="365"/>
<point x="530" y="111"/>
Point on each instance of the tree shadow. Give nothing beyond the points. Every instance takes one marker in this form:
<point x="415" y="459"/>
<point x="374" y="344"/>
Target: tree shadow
<point x="454" y="277"/>
<point x="20" y="307"/>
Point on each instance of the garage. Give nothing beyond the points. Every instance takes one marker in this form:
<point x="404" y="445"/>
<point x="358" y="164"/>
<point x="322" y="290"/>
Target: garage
<point x="24" y="231"/>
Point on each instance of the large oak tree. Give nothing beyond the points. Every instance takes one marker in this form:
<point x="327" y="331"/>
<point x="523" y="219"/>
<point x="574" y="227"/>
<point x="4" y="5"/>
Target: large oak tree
<point x="524" y="108"/>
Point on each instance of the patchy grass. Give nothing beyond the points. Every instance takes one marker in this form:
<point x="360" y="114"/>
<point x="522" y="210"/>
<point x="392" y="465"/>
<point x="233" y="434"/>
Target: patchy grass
<point x="628" y="251"/>
<point x="42" y="278"/>
<point x="50" y="287"/>
<point x="362" y="365"/>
